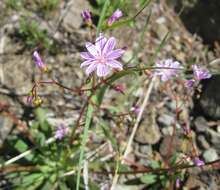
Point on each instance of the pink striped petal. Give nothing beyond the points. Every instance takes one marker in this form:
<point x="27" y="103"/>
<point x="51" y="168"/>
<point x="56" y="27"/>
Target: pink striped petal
<point x="86" y="55"/>
<point x="85" y="63"/>
<point x="91" y="68"/>
<point x="92" y="49"/>
<point x="102" y="70"/>
<point x="109" y="46"/>
<point x="114" y="64"/>
<point x="100" y="43"/>
<point x="115" y="54"/>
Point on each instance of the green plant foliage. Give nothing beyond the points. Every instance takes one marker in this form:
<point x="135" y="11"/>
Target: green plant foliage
<point x="149" y="179"/>
<point x="14" y="4"/>
<point x="46" y="6"/>
<point x="32" y="36"/>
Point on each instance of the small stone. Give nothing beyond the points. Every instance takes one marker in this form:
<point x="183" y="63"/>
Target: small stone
<point x="161" y="20"/>
<point x="192" y="183"/>
<point x="166" y="119"/>
<point x="129" y="187"/>
<point x="73" y="18"/>
<point x="146" y="149"/>
<point x="200" y="124"/>
<point x="218" y="128"/>
<point x="167" y="131"/>
<point x="203" y="142"/>
<point x="127" y="55"/>
<point x="178" y="145"/>
<point x="161" y="30"/>
<point x="6" y="124"/>
<point x="148" y="133"/>
<point x="214" y="138"/>
<point x="209" y="98"/>
<point x="210" y="155"/>
<point x="144" y="161"/>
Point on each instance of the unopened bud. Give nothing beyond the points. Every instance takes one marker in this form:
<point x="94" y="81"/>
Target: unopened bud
<point x="37" y="101"/>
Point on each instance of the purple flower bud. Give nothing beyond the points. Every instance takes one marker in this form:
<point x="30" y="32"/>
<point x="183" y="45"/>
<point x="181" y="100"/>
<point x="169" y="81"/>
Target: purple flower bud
<point x="61" y="132"/>
<point x="136" y="110"/>
<point x="189" y="83"/>
<point x="39" y="61"/>
<point x="115" y="16"/>
<point x="177" y="183"/>
<point x="86" y="16"/>
<point x="198" y="162"/>
<point x="199" y="73"/>
<point x="30" y="99"/>
<point x="120" y="88"/>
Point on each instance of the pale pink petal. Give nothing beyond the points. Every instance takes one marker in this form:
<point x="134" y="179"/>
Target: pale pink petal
<point x="85" y="63"/>
<point x="92" y="49"/>
<point x="91" y="68"/>
<point x="86" y="55"/>
<point x="115" y="16"/>
<point x="102" y="70"/>
<point x="100" y="43"/>
<point x="109" y="46"/>
<point x="114" y="64"/>
<point x="115" y="54"/>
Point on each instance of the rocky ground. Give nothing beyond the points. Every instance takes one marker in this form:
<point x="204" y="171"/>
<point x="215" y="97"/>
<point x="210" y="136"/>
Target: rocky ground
<point x="66" y="32"/>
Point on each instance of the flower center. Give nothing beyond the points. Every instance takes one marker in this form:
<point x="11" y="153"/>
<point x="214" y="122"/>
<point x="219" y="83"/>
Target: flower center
<point x="102" y="60"/>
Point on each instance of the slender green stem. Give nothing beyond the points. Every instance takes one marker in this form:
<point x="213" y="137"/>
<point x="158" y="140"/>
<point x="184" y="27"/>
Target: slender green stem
<point x="84" y="140"/>
<point x="102" y="17"/>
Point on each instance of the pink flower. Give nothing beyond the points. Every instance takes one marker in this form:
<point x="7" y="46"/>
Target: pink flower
<point x="189" y="83"/>
<point x="167" y="69"/>
<point x="101" y="56"/>
<point x="61" y="132"/>
<point x="86" y="16"/>
<point x="200" y="73"/>
<point x="39" y="61"/>
<point x="177" y="183"/>
<point x="198" y="162"/>
<point x="115" y="16"/>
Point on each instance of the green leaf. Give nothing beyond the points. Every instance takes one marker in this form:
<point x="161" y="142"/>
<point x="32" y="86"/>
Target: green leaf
<point x="149" y="179"/>
<point x="40" y="115"/>
<point x="29" y="179"/>
<point x="173" y="159"/>
<point x="155" y="164"/>
<point x="45" y="169"/>
<point x="21" y="147"/>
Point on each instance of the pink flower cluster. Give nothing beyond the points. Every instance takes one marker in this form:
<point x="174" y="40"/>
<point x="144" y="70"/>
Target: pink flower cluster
<point x="167" y="68"/>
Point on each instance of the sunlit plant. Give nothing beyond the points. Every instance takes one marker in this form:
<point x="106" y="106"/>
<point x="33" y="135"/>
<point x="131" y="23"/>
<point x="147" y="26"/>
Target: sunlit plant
<point x="59" y="158"/>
